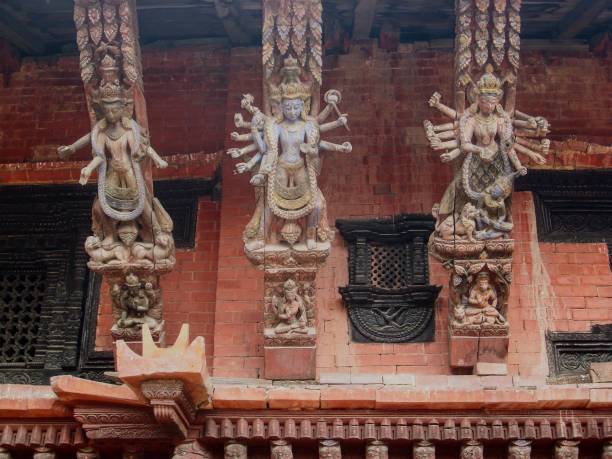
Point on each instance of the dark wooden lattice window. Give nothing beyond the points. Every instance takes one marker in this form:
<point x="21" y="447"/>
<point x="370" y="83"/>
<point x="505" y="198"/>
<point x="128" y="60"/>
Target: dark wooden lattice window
<point x="21" y="298"/>
<point x="576" y="207"/>
<point x="48" y="299"/>
<point x="388" y="296"/>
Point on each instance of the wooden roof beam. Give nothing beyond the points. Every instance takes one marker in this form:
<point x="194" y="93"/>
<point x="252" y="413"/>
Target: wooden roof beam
<point x="580" y="17"/>
<point x="229" y="13"/>
<point x="15" y="30"/>
<point x="364" y="18"/>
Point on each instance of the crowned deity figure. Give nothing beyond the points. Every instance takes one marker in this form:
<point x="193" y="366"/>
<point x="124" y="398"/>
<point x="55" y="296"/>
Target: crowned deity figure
<point x="290" y="310"/>
<point x="286" y="163"/>
<point x="480" y="306"/>
<point x="130" y="226"/>
<point x="484" y="137"/>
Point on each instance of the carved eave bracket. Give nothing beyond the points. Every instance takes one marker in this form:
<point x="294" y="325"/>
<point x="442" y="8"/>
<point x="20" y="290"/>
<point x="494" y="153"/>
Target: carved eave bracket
<point x="181" y="361"/>
<point x="163" y="388"/>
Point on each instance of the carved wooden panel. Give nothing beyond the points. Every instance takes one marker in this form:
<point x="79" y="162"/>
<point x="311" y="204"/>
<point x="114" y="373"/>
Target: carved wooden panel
<point x="388" y="296"/>
<point x="571" y="353"/>
<point x="571" y="206"/>
<point x="48" y="298"/>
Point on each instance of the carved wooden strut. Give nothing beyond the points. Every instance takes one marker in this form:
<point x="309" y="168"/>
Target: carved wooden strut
<point x="132" y="241"/>
<point x="483" y="138"/>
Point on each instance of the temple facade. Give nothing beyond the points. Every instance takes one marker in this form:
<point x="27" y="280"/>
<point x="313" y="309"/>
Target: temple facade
<point x="303" y="228"/>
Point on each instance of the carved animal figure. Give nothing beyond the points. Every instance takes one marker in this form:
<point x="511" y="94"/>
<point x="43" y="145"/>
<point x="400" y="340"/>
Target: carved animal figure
<point x="461" y="226"/>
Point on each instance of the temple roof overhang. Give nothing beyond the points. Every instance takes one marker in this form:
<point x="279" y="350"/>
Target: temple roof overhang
<point x="39" y="27"/>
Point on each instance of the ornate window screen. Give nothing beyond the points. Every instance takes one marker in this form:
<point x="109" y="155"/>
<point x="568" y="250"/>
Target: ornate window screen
<point x="21" y="301"/>
<point x="48" y="299"/>
<point x="576" y="207"/>
<point x="388" y="296"/>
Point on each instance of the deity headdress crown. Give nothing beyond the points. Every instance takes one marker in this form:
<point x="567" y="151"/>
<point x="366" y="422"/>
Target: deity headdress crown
<point x="108" y="64"/>
<point x="289" y="285"/>
<point x="111" y="92"/>
<point x="110" y="89"/>
<point x="291" y="86"/>
<point x="489" y="84"/>
<point x="131" y="280"/>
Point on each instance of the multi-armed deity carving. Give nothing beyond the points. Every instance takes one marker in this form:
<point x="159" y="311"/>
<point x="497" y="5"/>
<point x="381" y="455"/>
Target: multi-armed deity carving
<point x="289" y="234"/>
<point x="290" y="209"/>
<point x="285" y="145"/>
<point x="132" y="232"/>
<point x="483" y="140"/>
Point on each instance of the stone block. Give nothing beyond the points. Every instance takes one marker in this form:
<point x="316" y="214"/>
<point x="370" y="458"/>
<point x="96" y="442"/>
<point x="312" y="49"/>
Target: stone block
<point x="463" y="351"/>
<point x="288" y="363"/>
<point x="348" y="397"/>
<point x="335" y="378"/>
<point x="601" y="372"/>
<point x="490" y="369"/>
<point x="72" y="391"/>
<point x="239" y="397"/>
<point x="366" y="378"/>
<point x="400" y="379"/>
<point x="294" y="398"/>
<point x="493" y="355"/>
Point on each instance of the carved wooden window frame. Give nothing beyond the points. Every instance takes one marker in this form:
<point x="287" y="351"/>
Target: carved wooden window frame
<point x="47" y="225"/>
<point x="574" y="207"/>
<point x="374" y="310"/>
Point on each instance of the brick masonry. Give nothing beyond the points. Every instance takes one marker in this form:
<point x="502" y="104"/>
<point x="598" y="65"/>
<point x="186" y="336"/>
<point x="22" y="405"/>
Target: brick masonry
<point x="192" y="94"/>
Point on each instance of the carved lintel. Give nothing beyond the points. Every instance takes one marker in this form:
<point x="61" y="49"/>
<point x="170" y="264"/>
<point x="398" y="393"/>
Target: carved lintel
<point x="235" y="450"/>
<point x="102" y="423"/>
<point x="424" y="450"/>
<point x="519" y="449"/>
<point x="329" y="449"/>
<point x="566" y="449"/>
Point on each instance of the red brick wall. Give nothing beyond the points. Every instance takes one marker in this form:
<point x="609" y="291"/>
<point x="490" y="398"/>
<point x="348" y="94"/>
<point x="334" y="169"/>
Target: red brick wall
<point x="391" y="170"/>
<point x="192" y="94"/>
<point x="43" y="106"/>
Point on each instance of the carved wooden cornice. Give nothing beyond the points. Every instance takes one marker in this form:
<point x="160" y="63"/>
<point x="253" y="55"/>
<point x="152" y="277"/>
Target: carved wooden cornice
<point x="103" y="423"/>
<point x="406" y="426"/>
<point x="19" y="434"/>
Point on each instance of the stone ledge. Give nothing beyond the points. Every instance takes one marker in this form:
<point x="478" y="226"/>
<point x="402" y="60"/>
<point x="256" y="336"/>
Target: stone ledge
<point x="24" y="401"/>
<point x="55" y="402"/>
<point x="71" y="391"/>
<point x="400" y="397"/>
